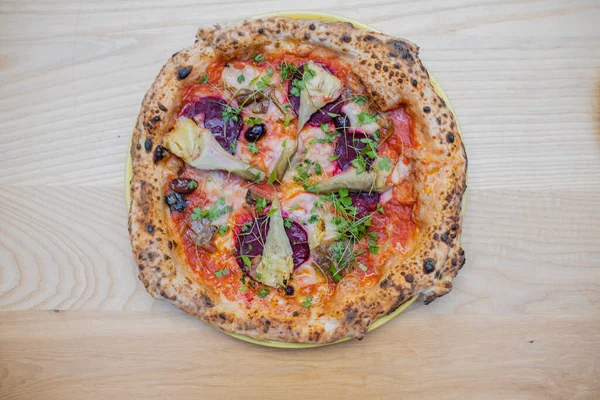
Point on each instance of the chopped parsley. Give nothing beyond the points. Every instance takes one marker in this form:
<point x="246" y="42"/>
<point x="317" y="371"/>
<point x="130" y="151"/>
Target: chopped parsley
<point x="264" y="82"/>
<point x="253" y="121"/>
<point x="230" y="113"/>
<point x="273" y="177"/>
<point x="253" y="148"/>
<point x="287" y="70"/>
<point x="192" y="184"/>
<point x="262" y="293"/>
<point x="203" y="79"/>
<point x="385" y="164"/>
<point x="257" y="57"/>
<point x="246" y="226"/>
<point x="241" y="78"/>
<point x="300" y="84"/>
<point x="366" y="118"/>
<point x="307" y="301"/>
<point x="288" y="222"/>
<point x="261" y="204"/>
<point x="359" y="99"/>
<point x="233" y="145"/>
<point x="223" y="229"/>
<point x="221" y="273"/>
<point x="318" y="168"/>
<point x="213" y="212"/>
<point x="246" y="261"/>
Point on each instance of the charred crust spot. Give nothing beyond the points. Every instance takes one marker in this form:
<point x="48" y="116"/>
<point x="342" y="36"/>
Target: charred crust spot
<point x="138" y="146"/>
<point x="141" y="267"/>
<point x="183" y="72"/>
<point x="454" y="227"/>
<point x="368" y="38"/>
<point x="385" y="68"/>
<point x="363" y="62"/>
<point x="378" y="65"/>
<point x="150" y="228"/>
<point x="223" y="316"/>
<point x="207" y="301"/>
<point x="289" y="290"/>
<point x="409" y="278"/>
<point x="159" y="153"/>
<point x="148" y="145"/>
<point x="454" y="262"/>
<point x="351" y="313"/>
<point x="426" y="109"/>
<point x="414" y="82"/>
<point x="384" y="284"/>
<point x="429" y="265"/>
<point x="307" y="36"/>
<point x="170" y="245"/>
<point x="346" y="38"/>
<point x="450" y="137"/>
<point x="401" y="47"/>
<point x="162" y="108"/>
<point x="445" y="238"/>
<point x="397" y="66"/>
<point x="295" y="313"/>
<point x="400" y="80"/>
<point x="312" y="27"/>
<point x="461" y="252"/>
<point x="261" y="30"/>
<point x="156" y="118"/>
<point x="438" y="120"/>
<point x="151" y="256"/>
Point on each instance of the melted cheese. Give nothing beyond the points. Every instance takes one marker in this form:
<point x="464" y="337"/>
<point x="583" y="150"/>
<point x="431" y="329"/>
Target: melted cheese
<point x="231" y="76"/>
<point x="352" y="110"/>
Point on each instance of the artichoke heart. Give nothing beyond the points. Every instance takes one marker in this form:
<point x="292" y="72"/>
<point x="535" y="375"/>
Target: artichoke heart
<point x="276" y="263"/>
<point x="283" y="162"/>
<point x="321" y="89"/>
<point x="349" y="179"/>
<point x="198" y="147"/>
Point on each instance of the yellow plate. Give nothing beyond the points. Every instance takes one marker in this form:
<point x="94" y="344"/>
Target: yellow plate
<point x="438" y="89"/>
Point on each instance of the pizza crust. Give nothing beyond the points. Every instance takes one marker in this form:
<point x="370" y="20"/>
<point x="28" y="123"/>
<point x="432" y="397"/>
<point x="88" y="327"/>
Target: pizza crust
<point x="392" y="73"/>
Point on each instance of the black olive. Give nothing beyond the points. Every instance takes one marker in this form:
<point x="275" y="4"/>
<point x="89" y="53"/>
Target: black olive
<point x="255" y="133"/>
<point x="341" y="122"/>
<point x="175" y="201"/>
<point x="183" y="186"/>
<point x="289" y="291"/>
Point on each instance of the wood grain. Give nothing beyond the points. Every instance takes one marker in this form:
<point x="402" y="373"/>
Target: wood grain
<point x="93" y="356"/>
<point x="523" y="320"/>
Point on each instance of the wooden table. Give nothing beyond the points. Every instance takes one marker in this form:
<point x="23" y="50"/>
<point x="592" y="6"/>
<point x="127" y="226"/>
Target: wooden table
<point x="523" y="320"/>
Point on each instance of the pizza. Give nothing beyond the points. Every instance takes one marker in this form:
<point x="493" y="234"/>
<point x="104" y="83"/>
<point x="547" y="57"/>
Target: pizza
<point x="296" y="180"/>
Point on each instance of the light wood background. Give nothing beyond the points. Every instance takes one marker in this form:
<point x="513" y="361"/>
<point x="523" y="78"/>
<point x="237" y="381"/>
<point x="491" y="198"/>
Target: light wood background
<point x="523" y="320"/>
